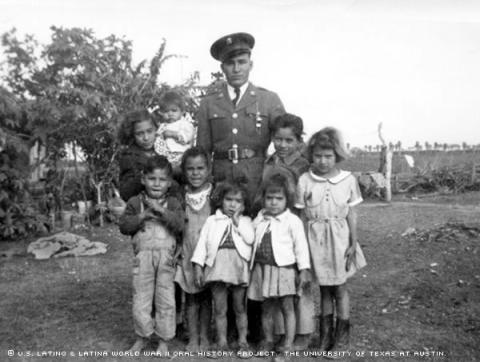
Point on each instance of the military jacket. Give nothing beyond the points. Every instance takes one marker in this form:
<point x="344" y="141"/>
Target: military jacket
<point x="222" y="125"/>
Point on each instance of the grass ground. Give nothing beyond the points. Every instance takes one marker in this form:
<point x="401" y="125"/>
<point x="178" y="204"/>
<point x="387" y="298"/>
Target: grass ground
<point x="413" y="296"/>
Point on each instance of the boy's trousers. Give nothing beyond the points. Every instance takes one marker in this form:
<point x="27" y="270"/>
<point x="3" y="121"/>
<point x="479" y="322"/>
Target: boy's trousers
<point x="153" y="283"/>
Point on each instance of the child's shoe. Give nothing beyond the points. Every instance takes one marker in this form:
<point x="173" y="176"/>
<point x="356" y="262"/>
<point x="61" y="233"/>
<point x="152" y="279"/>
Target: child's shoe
<point x="280" y="343"/>
<point x="284" y="353"/>
<point x="204" y="343"/>
<point x="266" y="345"/>
<point x="326" y="333"/>
<point x="302" y="341"/>
<point x="140" y="343"/>
<point x="342" y="335"/>
<point x="192" y="346"/>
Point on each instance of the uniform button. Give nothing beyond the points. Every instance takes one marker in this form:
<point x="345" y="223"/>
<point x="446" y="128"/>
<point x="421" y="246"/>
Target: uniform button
<point x="234" y="131"/>
<point x="235" y="115"/>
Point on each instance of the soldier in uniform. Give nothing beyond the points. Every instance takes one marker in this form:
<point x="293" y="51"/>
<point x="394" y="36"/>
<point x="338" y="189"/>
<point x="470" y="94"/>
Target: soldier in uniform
<point x="234" y="126"/>
<point x="234" y="120"/>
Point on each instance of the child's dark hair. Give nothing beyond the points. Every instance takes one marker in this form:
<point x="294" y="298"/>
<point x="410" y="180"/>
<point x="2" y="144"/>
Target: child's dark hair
<point x="278" y="183"/>
<point x="172" y="97"/>
<point x="288" y="120"/>
<point x="127" y="126"/>
<point x="224" y="187"/>
<point x="194" y="152"/>
<point x="157" y="162"/>
<point x="328" y="138"/>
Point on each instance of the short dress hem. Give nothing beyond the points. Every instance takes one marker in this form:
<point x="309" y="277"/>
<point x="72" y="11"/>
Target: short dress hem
<point x="270" y="281"/>
<point x="229" y="267"/>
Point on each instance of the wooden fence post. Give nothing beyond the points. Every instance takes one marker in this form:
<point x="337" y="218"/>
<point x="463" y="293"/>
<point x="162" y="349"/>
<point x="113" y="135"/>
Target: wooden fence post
<point x="387" y="162"/>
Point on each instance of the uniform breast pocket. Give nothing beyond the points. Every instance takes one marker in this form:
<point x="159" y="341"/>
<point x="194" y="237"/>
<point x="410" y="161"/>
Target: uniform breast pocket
<point x="219" y="125"/>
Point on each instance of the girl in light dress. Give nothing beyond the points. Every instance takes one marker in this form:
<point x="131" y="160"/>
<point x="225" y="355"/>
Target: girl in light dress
<point x="221" y="259"/>
<point x="327" y="196"/>
<point x="287" y="131"/>
<point x="280" y="260"/>
<point x="196" y="169"/>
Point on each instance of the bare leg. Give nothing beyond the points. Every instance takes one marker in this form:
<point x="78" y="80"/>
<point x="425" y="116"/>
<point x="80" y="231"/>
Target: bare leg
<point x="205" y="300"/>
<point x="327" y="296"/>
<point x="268" y="310"/>
<point x="192" y="322"/>
<point x="342" y="328"/>
<point x="342" y="301"/>
<point x="288" y="310"/>
<point x="240" y="310"/>
<point x="219" y="292"/>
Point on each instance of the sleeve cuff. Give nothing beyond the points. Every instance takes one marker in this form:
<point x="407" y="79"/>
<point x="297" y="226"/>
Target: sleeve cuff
<point x="355" y="202"/>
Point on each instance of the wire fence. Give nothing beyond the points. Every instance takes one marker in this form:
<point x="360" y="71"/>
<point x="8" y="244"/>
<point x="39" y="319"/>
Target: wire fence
<point x="423" y="161"/>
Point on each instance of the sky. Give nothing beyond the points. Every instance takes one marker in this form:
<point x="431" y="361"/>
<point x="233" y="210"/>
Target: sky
<point x="412" y="64"/>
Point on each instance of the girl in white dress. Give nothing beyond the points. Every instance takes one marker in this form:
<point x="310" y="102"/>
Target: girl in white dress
<point x="327" y="196"/>
<point x="221" y="259"/>
<point x="280" y="260"/>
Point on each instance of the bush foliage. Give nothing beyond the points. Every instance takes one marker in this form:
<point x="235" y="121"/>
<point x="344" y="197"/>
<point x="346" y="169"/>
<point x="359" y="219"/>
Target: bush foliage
<point x="74" y="90"/>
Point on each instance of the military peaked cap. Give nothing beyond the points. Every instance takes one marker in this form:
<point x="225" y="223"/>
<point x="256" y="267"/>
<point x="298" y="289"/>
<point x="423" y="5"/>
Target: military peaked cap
<point x="231" y="45"/>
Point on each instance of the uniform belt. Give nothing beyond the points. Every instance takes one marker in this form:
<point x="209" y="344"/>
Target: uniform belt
<point x="240" y="153"/>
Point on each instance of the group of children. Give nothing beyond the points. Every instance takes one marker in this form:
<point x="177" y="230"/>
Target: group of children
<point x="204" y="237"/>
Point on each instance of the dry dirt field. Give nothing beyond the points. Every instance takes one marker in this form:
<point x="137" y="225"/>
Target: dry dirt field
<point x="415" y="296"/>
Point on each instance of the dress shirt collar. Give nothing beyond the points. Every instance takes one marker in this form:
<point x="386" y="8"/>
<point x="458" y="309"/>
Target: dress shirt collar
<point x="289" y="160"/>
<point x="231" y="91"/>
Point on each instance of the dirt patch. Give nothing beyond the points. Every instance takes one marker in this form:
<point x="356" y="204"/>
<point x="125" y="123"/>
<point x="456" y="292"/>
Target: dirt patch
<point x="414" y="295"/>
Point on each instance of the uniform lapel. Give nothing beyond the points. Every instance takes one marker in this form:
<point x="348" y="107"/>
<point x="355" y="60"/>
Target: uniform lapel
<point x="223" y="99"/>
<point x="248" y="98"/>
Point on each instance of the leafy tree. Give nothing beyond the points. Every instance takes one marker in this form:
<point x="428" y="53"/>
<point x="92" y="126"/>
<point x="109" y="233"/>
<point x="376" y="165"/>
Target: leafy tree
<point x="76" y="90"/>
<point x="18" y="217"/>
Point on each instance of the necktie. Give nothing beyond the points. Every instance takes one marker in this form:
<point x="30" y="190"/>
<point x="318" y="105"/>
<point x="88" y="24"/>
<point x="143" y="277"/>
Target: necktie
<point x="237" y="95"/>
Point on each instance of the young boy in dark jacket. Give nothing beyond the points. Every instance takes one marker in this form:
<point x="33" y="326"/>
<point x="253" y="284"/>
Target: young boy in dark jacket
<point x="155" y="221"/>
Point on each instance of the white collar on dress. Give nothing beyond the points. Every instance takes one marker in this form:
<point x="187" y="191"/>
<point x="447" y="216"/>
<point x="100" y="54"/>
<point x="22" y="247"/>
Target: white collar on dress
<point x="220" y="215"/>
<point x="279" y="217"/>
<point x="197" y="200"/>
<point x="334" y="180"/>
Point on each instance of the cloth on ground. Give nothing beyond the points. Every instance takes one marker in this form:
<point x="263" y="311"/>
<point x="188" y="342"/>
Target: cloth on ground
<point x="65" y="244"/>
